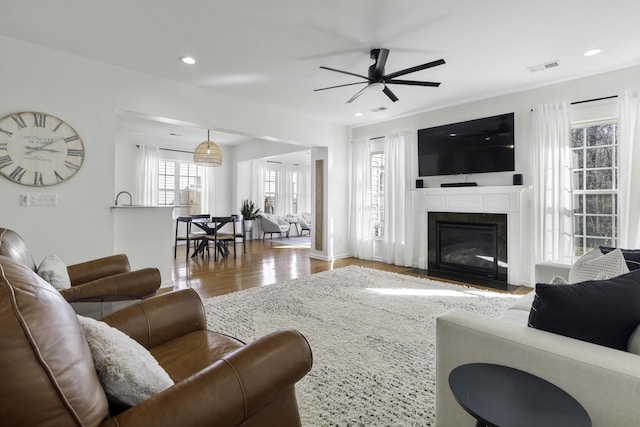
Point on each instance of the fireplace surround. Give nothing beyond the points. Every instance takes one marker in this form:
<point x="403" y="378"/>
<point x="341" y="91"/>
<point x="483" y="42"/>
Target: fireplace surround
<point x="512" y="201"/>
<point x="469" y="247"/>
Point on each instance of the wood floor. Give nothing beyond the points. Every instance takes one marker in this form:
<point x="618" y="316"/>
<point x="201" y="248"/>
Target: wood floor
<point x="264" y="263"/>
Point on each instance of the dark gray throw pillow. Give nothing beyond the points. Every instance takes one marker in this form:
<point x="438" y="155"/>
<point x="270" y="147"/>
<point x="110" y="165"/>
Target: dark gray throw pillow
<point x="631" y="256"/>
<point x="604" y="312"/>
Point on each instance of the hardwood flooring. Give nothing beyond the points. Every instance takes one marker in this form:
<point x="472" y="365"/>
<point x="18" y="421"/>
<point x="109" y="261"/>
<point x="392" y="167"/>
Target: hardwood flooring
<point x="264" y="263"/>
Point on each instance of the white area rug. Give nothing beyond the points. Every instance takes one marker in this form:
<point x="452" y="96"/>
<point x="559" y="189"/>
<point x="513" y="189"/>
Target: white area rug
<point x="372" y="334"/>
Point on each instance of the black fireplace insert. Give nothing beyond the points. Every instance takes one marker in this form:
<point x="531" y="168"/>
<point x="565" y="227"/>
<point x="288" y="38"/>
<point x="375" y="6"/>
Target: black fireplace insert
<point x="469" y="247"/>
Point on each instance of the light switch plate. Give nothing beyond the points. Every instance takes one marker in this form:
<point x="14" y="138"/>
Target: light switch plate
<point x="44" y="200"/>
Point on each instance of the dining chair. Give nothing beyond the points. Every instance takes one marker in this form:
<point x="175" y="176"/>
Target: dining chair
<point x="240" y="231"/>
<point x="222" y="239"/>
<point x="190" y="235"/>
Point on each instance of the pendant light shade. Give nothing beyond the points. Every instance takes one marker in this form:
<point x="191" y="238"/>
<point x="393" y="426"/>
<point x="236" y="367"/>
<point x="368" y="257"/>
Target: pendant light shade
<point x="207" y="153"/>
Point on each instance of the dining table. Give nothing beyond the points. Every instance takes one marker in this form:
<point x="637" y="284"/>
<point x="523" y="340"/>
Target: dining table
<point x="211" y="226"/>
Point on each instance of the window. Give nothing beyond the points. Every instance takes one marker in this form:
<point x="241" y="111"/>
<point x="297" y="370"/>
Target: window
<point x="294" y="193"/>
<point x="166" y="183"/>
<point x="177" y="179"/>
<point x="377" y="193"/>
<point x="595" y="185"/>
<point x="270" y="186"/>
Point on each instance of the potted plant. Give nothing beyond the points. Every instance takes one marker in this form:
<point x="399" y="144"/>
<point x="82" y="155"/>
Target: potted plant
<point x="249" y="213"/>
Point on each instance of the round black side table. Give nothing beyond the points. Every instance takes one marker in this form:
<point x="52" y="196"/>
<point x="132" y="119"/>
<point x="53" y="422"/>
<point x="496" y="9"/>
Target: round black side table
<point x="499" y="396"/>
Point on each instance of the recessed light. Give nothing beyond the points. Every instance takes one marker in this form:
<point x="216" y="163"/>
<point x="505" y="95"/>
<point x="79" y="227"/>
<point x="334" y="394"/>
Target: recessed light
<point x="358" y="114"/>
<point x="188" y="60"/>
<point x="592" y="52"/>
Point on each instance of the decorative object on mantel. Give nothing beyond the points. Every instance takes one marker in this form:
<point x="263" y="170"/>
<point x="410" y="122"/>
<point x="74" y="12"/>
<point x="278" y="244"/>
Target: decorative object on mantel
<point x="207" y="153"/>
<point x="458" y="184"/>
<point x="249" y="213"/>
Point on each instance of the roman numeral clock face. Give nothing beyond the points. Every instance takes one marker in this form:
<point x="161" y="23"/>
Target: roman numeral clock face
<point x="38" y="149"/>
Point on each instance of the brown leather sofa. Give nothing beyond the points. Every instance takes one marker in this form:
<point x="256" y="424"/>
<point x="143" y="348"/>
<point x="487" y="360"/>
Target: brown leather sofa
<point x="48" y="375"/>
<point x="99" y="280"/>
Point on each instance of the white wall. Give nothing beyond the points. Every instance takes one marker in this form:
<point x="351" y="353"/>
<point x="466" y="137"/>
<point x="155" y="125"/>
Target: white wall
<point x="89" y="95"/>
<point x="521" y="103"/>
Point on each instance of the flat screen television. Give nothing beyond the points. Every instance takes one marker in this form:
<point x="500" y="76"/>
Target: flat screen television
<point x="474" y="146"/>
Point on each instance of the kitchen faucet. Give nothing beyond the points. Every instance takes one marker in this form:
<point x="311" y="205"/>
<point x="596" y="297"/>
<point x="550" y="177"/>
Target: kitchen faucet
<point x="130" y="198"/>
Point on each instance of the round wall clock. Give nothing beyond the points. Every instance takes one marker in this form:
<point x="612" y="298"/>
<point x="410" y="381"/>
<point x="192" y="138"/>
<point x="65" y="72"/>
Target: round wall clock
<point x="38" y="149"/>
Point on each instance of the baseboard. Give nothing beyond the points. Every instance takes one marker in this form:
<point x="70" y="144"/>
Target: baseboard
<point x="166" y="284"/>
<point x="327" y="258"/>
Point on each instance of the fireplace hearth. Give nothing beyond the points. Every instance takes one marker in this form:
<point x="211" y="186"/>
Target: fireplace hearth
<point x="469" y="247"/>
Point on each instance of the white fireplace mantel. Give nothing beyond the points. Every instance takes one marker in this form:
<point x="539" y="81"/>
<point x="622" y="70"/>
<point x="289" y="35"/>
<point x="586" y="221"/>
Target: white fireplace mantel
<point x="511" y="200"/>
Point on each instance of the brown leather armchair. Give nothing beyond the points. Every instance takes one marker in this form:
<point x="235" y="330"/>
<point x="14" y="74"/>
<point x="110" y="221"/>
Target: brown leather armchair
<point x="48" y="375"/>
<point x="99" y="280"/>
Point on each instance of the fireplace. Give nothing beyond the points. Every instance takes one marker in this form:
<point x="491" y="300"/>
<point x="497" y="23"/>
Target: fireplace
<point x="469" y="247"/>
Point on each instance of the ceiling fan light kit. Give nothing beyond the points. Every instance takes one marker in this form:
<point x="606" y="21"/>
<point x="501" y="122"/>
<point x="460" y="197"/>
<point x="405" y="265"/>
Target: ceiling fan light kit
<point x="207" y="153"/>
<point x="376" y="78"/>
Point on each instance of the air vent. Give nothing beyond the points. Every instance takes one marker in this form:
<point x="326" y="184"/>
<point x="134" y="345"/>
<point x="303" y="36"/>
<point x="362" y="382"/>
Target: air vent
<point x="545" y="66"/>
<point x="378" y="109"/>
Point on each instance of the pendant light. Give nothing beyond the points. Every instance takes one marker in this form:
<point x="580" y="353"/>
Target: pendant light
<point x="207" y="153"/>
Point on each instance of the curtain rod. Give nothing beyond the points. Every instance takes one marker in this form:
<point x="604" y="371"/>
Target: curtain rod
<point x="370" y="139"/>
<point x="584" y="101"/>
<point x="279" y="163"/>
<point x="594" y="99"/>
<point x="171" y="149"/>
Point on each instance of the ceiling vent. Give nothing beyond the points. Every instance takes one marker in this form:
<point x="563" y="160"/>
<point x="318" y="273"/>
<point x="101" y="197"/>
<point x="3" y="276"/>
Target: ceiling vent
<point x="545" y="66"/>
<point x="378" y="109"/>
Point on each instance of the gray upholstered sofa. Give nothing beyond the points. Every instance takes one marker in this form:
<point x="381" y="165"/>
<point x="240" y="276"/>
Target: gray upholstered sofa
<point x="604" y="380"/>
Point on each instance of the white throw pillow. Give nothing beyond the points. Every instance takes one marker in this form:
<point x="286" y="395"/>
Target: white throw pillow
<point x="54" y="271"/>
<point x="127" y="371"/>
<point x="592" y="254"/>
<point x="593" y="267"/>
<point x="558" y="280"/>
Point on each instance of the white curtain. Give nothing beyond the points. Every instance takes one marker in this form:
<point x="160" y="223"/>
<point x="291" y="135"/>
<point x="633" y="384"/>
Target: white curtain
<point x="304" y="189"/>
<point x="284" y="189"/>
<point x="147" y="175"/>
<point x="629" y="169"/>
<point x="398" y="206"/>
<point x="208" y="190"/>
<point x="553" y="199"/>
<point x="360" y="238"/>
<point x="257" y="183"/>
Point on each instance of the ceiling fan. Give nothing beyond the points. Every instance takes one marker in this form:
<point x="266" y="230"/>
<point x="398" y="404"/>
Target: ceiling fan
<point x="377" y="78"/>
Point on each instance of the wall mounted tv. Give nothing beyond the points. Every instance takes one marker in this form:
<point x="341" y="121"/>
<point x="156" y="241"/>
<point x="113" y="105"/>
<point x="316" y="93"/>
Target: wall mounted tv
<point x="474" y="146"/>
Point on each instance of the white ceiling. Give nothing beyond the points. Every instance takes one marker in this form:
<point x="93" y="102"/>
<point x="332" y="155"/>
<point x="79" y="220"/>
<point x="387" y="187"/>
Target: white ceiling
<point x="270" y="51"/>
<point x="172" y="133"/>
